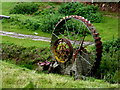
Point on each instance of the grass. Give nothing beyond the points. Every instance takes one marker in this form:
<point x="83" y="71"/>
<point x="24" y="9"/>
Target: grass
<point x="6" y="6"/>
<point x="108" y="28"/>
<point x="17" y="77"/>
<point x="25" y="42"/>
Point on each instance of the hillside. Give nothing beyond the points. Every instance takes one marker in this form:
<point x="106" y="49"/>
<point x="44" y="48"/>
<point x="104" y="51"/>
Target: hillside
<point x="17" y="77"/>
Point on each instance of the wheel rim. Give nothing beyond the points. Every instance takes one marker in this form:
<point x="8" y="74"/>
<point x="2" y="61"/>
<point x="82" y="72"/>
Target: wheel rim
<point x="62" y="50"/>
<point x="81" y="29"/>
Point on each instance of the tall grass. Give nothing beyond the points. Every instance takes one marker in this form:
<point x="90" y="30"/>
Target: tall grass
<point x="16" y="77"/>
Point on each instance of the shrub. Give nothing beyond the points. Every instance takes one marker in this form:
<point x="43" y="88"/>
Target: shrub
<point x="94" y="17"/>
<point x="49" y="22"/>
<point x="69" y="8"/>
<point x="46" y="11"/>
<point x="109" y="67"/>
<point x="111" y="45"/>
<point x="25" y="56"/>
<point x="32" y="24"/>
<point x="45" y="23"/>
<point x="90" y="12"/>
<point x="24" y="8"/>
<point x="22" y="21"/>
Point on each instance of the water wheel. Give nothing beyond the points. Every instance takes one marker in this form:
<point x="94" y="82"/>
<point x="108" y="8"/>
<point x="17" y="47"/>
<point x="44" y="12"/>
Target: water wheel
<point x="76" y="47"/>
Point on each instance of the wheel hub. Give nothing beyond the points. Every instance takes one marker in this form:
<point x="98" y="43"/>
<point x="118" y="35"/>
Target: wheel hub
<point x="62" y="50"/>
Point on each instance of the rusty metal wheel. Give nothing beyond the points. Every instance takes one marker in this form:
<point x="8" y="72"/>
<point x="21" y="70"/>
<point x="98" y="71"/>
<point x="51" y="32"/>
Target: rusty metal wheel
<point x="62" y="50"/>
<point x="75" y="38"/>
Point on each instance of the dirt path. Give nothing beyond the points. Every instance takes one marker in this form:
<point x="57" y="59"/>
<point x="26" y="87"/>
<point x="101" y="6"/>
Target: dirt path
<point x="33" y="37"/>
<point x="23" y="36"/>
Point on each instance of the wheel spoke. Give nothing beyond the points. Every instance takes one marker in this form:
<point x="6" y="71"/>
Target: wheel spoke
<point x="67" y="29"/>
<point x="55" y="35"/>
<point x="90" y="43"/>
<point x="63" y="35"/>
<point x="73" y="27"/>
<point x="85" y="60"/>
<point x="77" y="35"/>
<point x="89" y="55"/>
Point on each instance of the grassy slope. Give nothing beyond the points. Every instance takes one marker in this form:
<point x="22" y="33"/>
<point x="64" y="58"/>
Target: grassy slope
<point x="16" y="77"/>
<point x="108" y="28"/>
<point x="25" y="42"/>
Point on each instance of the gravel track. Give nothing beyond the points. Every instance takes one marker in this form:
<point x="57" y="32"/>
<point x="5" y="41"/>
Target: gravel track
<point x="23" y="36"/>
<point x="32" y="37"/>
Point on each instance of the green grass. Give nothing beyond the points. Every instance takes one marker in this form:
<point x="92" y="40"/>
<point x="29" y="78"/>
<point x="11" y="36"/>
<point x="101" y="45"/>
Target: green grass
<point x="108" y="28"/>
<point x="6" y="6"/>
<point x="25" y="42"/>
<point x="17" y="77"/>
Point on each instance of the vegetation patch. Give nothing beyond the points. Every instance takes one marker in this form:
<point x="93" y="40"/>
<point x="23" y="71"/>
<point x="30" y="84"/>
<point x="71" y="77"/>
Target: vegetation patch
<point x="16" y="77"/>
<point x="24" y="8"/>
<point x="26" y="55"/>
<point x="90" y="12"/>
<point x="42" y="23"/>
<point x="109" y="67"/>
